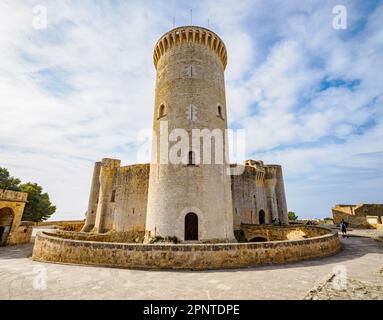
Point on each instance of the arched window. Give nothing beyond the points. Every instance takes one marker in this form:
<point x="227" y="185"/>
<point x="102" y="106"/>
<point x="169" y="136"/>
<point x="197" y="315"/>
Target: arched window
<point x="219" y="111"/>
<point x="191" y="159"/>
<point x="162" y="111"/>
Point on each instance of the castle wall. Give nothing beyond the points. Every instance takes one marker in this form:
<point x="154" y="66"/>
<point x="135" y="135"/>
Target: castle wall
<point x="121" y="200"/>
<point x="128" y="186"/>
<point x="270" y="184"/>
<point x="281" y="197"/>
<point x="369" y="210"/>
<point x="259" y="188"/>
<point x="249" y="197"/>
<point x="107" y="172"/>
<point x="361" y="215"/>
<point x="93" y="198"/>
<point x="128" y="210"/>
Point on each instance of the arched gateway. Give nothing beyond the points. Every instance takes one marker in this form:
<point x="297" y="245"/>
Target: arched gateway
<point x="6" y="219"/>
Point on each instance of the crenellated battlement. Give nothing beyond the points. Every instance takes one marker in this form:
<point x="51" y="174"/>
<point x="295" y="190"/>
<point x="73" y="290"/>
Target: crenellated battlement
<point x="190" y="34"/>
<point x="260" y="175"/>
<point x="271" y="172"/>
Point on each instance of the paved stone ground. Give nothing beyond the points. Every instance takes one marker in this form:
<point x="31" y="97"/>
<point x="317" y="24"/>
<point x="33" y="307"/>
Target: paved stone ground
<point x="354" y="273"/>
<point x="344" y="287"/>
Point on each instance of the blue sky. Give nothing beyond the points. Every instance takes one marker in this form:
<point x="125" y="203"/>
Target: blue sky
<point x="308" y="96"/>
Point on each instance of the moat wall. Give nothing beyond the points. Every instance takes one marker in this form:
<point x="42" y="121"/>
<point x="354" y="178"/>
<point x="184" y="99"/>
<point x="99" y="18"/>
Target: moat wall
<point x="49" y="247"/>
<point x="272" y="233"/>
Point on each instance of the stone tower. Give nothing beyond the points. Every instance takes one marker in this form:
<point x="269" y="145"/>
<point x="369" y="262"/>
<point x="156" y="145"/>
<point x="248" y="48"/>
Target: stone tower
<point x="190" y="198"/>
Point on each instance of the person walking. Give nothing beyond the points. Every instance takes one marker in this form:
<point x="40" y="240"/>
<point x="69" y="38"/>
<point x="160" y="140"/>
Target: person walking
<point x="343" y="227"/>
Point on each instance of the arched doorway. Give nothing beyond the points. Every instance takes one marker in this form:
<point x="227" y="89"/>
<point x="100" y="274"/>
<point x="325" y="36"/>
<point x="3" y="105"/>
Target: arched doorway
<point x="261" y="217"/>
<point x="6" y="219"/>
<point x="258" y="239"/>
<point x="191" y="227"/>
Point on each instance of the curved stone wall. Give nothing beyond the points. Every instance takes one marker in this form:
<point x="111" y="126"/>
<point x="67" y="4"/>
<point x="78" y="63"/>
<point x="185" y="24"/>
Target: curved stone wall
<point x="116" y="237"/>
<point x="51" y="248"/>
<point x="272" y="233"/>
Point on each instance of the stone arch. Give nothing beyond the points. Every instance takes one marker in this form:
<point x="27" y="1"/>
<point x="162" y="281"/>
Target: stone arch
<point x="191" y="227"/>
<point x="6" y="220"/>
<point x="262" y="217"/>
<point x="258" y="239"/>
<point x="181" y="222"/>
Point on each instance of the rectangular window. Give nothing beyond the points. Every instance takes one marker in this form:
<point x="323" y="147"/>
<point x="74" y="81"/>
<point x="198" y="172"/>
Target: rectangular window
<point x="113" y="198"/>
<point x="191" y="113"/>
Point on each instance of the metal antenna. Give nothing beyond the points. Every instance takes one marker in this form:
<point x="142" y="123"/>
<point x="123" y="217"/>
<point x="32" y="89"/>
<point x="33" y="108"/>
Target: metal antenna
<point x="174" y="22"/>
<point x="191" y="17"/>
<point x="208" y="23"/>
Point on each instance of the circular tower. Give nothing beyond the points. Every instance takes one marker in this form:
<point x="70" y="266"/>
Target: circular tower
<point x="190" y="187"/>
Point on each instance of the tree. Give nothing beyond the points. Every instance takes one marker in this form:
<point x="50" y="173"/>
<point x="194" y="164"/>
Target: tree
<point x="7" y="182"/>
<point x="39" y="207"/>
<point x="292" y="216"/>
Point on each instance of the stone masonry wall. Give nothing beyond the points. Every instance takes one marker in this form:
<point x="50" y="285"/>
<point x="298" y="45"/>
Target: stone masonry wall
<point x="272" y="233"/>
<point x="16" y="232"/>
<point x="127" y="211"/>
<point x="249" y="197"/>
<point x="130" y="183"/>
<point x="356" y="215"/>
<point x="49" y="248"/>
<point x="190" y="95"/>
<point x="22" y="234"/>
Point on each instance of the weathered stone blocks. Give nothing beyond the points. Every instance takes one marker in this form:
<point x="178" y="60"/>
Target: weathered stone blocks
<point x="52" y="247"/>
